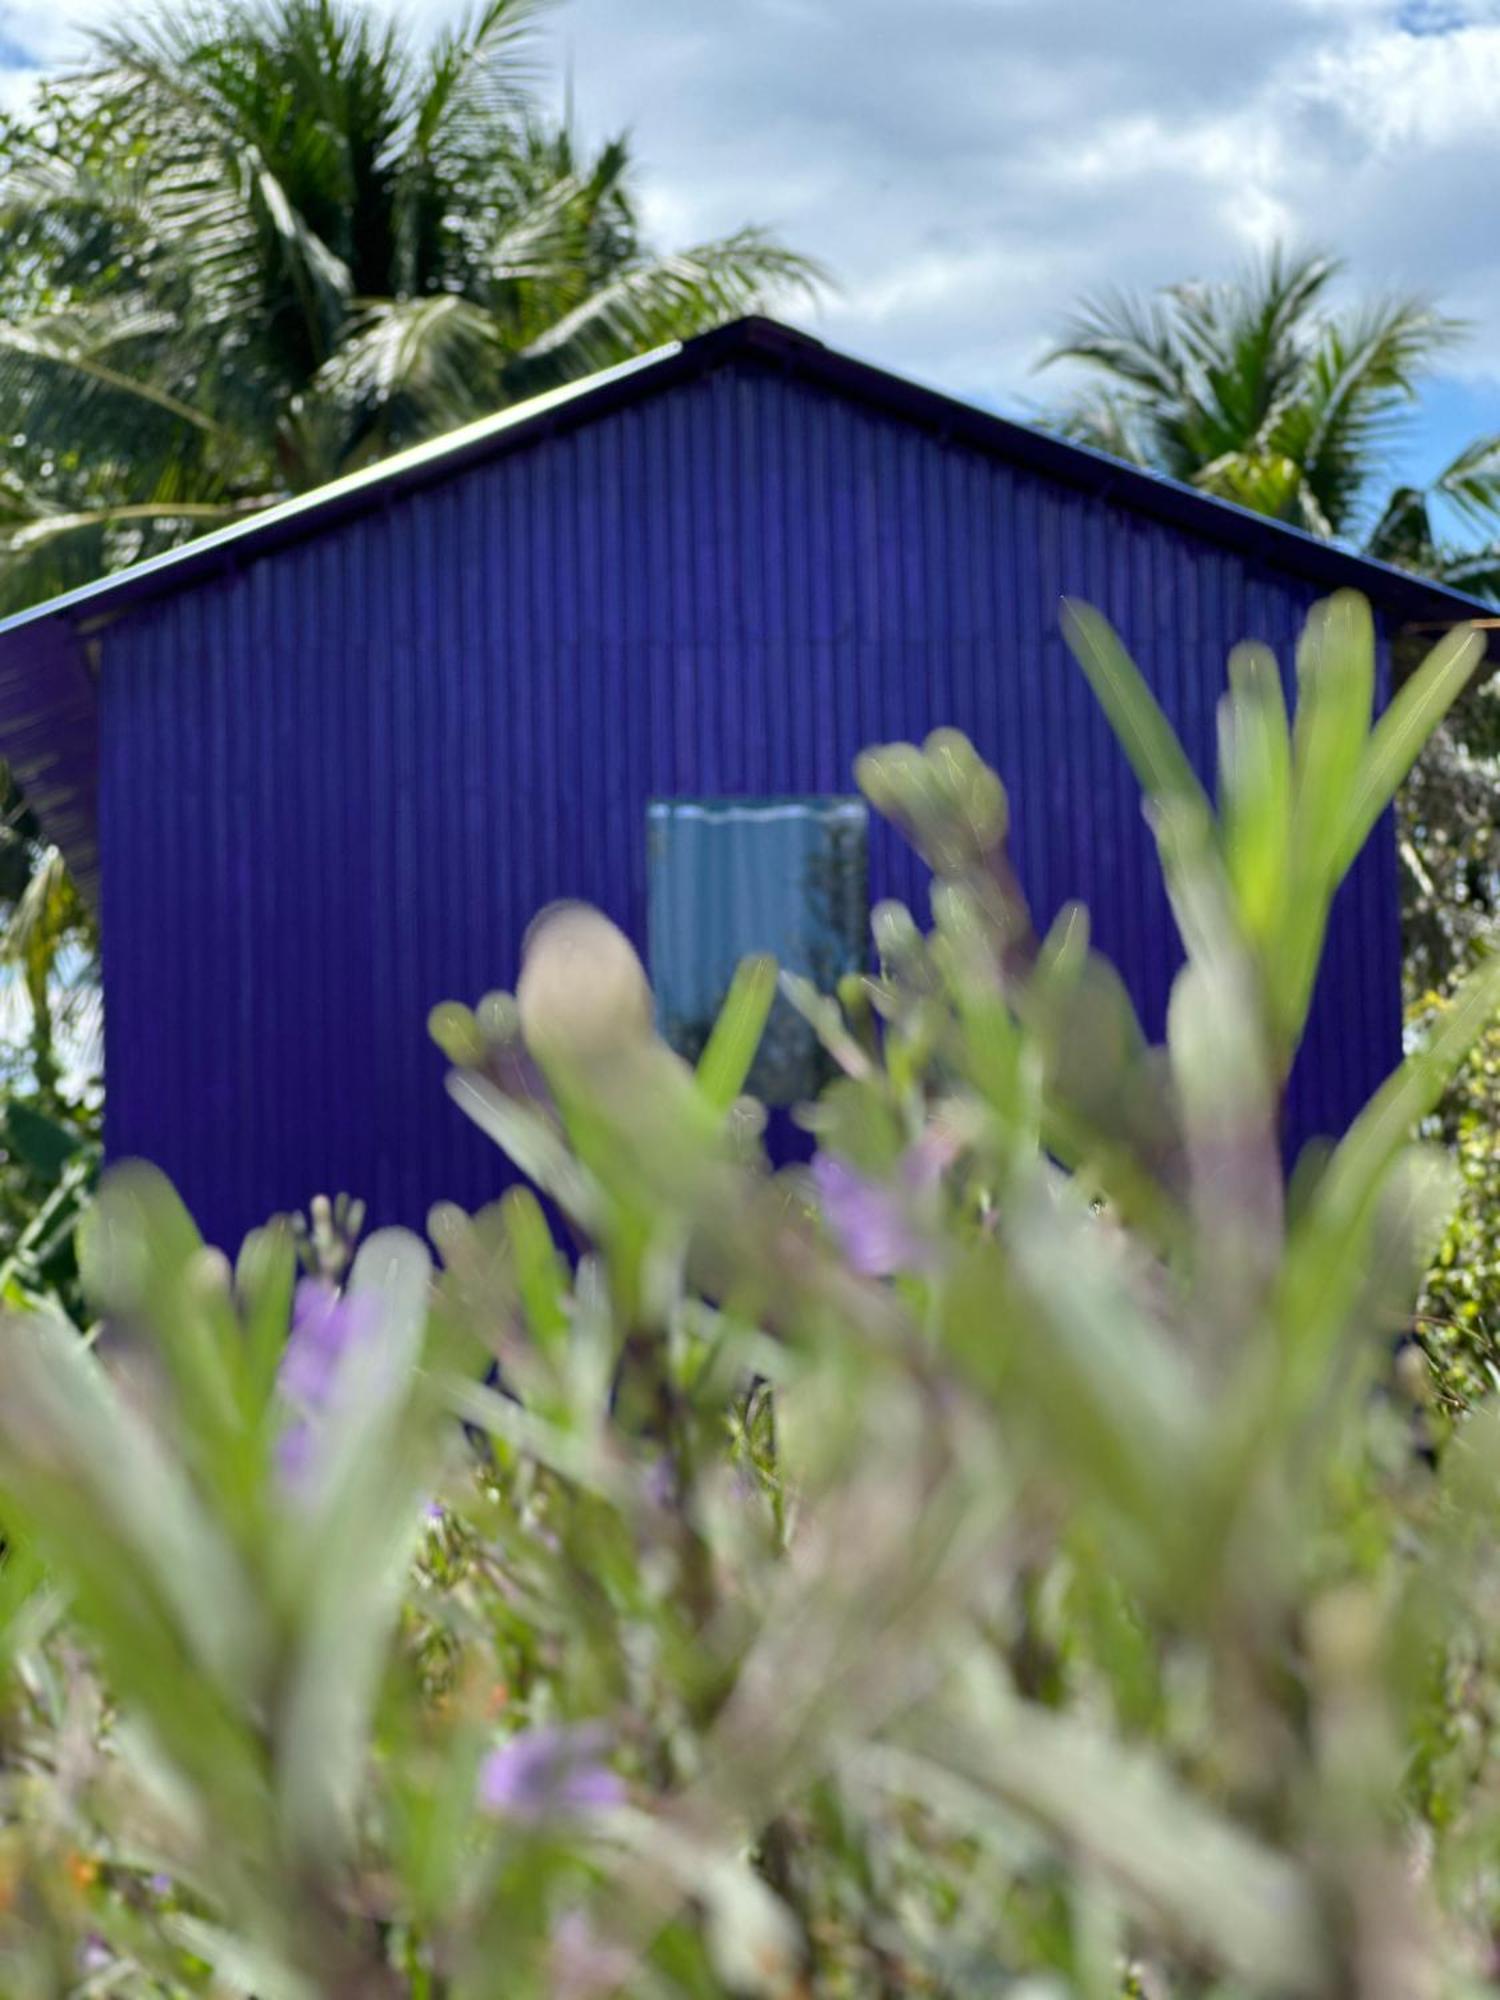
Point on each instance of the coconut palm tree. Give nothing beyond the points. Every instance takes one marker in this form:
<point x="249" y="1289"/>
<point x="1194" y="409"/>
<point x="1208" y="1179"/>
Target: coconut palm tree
<point x="1259" y="390"/>
<point x="253" y="244"/>
<point x="256" y="243"/>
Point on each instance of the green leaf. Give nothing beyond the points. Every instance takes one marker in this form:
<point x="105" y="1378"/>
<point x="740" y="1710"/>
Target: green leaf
<point x="1180" y="1864"/>
<point x="540" y="1272"/>
<point x="1255" y="786"/>
<point x="152" y="1576"/>
<point x="1335" y="701"/>
<point x="350" y="1538"/>
<point x="1402" y="731"/>
<point x="245" y="1966"/>
<point x="1051" y="1323"/>
<point x="265" y="1277"/>
<point x="726" y="1061"/>
<point x="588" y="1461"/>
<point x="1328" y="1251"/>
<point x="41" y="1142"/>
<point x="144" y="1262"/>
<point x="1405" y="1099"/>
<point x="1145" y="734"/>
<point x="535" y="1145"/>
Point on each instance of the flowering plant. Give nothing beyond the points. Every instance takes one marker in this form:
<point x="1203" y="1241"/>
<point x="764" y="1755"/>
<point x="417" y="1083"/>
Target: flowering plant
<point x="991" y="1560"/>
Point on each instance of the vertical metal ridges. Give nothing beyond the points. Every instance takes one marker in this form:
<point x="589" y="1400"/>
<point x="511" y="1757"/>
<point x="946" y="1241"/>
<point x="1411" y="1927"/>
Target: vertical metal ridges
<point x="337" y="782"/>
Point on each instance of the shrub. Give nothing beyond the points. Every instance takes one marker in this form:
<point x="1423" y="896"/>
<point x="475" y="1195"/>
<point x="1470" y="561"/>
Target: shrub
<point x="1450" y="897"/>
<point x="1458" y="1317"/>
<point x="992" y="1560"/>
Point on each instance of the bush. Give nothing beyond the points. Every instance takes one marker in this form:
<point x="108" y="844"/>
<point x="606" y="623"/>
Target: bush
<point x="992" y="1560"/>
<point x="1458" y="1314"/>
<point x="1451" y="892"/>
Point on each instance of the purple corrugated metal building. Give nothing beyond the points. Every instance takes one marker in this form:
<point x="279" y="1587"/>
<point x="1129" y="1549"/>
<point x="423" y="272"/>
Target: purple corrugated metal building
<point x="320" y="769"/>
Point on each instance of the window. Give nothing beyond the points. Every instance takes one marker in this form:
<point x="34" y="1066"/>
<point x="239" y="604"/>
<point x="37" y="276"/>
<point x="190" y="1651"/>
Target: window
<point x="727" y="877"/>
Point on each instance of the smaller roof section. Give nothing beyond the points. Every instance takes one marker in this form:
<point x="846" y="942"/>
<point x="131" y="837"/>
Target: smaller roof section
<point x="48" y="722"/>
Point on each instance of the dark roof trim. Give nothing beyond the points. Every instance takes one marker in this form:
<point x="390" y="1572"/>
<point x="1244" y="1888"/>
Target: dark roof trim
<point x="1277" y="543"/>
<point x="799" y="355"/>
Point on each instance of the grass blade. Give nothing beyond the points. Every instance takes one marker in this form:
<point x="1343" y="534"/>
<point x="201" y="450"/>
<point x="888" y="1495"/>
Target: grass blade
<point x="1401" y="732"/>
<point x="725" y="1062"/>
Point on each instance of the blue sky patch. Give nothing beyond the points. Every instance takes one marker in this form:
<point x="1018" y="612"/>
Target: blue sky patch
<point x="1432" y="17"/>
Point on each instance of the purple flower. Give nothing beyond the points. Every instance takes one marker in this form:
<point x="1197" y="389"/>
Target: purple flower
<point x="547" y="1771"/>
<point x="871" y="1222"/>
<point x="326" y="1324"/>
<point x="94" y="1954"/>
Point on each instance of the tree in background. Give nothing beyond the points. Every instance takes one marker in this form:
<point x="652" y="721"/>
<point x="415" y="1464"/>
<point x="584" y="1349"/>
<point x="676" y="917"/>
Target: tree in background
<point x="1258" y="390"/>
<point x="251" y="246"/>
<point x="254" y="244"/>
<point x="1261" y="390"/>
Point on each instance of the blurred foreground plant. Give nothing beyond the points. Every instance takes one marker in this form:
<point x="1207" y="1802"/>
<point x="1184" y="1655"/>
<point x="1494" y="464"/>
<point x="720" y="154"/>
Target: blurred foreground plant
<point x="993" y="1560"/>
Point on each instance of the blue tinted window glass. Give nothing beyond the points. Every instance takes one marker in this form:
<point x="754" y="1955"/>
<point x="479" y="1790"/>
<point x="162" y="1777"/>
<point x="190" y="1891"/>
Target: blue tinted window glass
<point x="728" y="877"/>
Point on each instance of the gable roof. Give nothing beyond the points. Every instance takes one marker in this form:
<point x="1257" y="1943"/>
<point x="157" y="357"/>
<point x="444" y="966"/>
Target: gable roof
<point x="48" y="721"/>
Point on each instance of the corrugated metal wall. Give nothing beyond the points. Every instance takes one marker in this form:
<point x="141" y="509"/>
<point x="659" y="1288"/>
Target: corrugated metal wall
<point x="338" y="781"/>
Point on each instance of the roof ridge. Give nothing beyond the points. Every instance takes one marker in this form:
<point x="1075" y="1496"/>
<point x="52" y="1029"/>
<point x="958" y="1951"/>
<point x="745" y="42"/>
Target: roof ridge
<point x="934" y="410"/>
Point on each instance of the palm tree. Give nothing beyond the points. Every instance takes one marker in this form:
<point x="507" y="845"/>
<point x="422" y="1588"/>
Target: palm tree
<point x="254" y="244"/>
<point x="1258" y="390"/>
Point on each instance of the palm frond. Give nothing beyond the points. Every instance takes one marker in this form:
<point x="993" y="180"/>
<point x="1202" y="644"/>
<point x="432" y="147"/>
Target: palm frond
<point x="1470" y="483"/>
<point x="669" y="298"/>
<point x="316" y="242"/>
<point x="1474" y="570"/>
<point x="1107" y="423"/>
<point x="1256" y="389"/>
<point x="74" y="345"/>
<point x="210" y="96"/>
<point x="47" y="915"/>
<point x="1404" y="532"/>
<point x="49" y="526"/>
<point x="1131" y="339"/>
<point x="479" y="77"/>
<point x="410" y="368"/>
<point x="321" y="280"/>
<point x="1360" y="389"/>
<point x="1245" y="343"/>
<point x="1261" y="316"/>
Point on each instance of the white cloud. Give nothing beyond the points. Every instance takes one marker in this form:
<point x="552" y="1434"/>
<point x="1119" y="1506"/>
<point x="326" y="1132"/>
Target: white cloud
<point x="969" y="167"/>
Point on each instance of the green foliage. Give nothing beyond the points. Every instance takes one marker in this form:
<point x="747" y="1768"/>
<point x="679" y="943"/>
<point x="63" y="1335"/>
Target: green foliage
<point x="1459" y="1311"/>
<point x="49" y="1165"/>
<point x="992" y="1560"/>
<point x="1259" y="390"/>
<point x="49" y="1112"/>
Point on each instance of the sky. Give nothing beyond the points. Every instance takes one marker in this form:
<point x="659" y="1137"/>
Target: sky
<point x="967" y="169"/>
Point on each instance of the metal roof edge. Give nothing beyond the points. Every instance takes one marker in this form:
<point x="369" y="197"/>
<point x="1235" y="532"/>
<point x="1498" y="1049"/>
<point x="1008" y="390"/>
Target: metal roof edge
<point x="1277" y="543"/>
<point x="1281" y="543"/>
<point x="435" y="455"/>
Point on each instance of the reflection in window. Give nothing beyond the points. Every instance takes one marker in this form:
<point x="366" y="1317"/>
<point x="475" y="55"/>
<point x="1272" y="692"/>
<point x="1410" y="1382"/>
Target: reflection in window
<point x="727" y="877"/>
